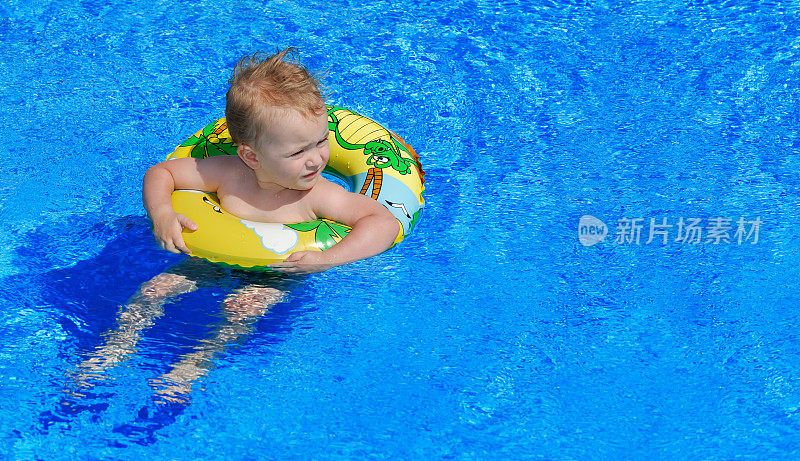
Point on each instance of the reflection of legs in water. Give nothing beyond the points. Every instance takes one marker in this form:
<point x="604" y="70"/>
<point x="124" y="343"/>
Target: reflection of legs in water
<point x="242" y="307"/>
<point x="142" y="309"/>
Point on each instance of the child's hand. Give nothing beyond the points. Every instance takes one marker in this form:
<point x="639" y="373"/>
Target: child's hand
<point x="167" y="230"/>
<point x="304" y="262"/>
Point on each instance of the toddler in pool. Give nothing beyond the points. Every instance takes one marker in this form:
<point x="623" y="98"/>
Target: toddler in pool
<point x="276" y="115"/>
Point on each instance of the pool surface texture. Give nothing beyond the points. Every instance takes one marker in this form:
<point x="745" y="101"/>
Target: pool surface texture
<point x="606" y="266"/>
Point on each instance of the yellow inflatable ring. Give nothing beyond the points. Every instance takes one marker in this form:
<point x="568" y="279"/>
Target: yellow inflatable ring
<point x="367" y="157"/>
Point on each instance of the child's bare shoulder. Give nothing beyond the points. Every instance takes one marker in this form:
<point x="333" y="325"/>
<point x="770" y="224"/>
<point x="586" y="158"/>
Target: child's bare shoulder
<point x="222" y="161"/>
<point x="325" y="190"/>
<point x="222" y="166"/>
<point x="208" y="173"/>
<point x="332" y="201"/>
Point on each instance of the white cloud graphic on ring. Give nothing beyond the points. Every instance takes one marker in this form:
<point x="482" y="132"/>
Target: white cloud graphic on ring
<point x="275" y="237"/>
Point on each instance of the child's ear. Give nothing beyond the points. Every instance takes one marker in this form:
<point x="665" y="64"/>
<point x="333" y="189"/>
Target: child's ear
<point x="248" y="156"/>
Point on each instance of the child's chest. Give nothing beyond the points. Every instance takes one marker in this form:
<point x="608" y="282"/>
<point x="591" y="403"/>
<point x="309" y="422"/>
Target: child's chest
<point x="266" y="206"/>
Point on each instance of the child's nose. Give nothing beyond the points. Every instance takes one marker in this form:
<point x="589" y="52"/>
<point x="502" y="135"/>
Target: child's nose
<point x="315" y="157"/>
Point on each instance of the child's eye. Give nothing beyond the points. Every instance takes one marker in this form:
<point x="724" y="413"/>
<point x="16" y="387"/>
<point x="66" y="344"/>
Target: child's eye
<point x="322" y="142"/>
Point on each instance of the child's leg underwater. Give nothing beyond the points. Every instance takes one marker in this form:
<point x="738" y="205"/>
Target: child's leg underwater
<point x="242" y="308"/>
<point x="138" y="314"/>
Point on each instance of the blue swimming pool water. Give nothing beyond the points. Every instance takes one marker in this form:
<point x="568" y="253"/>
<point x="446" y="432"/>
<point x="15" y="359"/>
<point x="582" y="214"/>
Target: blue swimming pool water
<point x="491" y="332"/>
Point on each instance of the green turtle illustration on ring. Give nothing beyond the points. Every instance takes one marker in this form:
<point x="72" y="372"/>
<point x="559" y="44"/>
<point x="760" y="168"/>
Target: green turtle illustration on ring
<point x="384" y="154"/>
<point x="381" y="153"/>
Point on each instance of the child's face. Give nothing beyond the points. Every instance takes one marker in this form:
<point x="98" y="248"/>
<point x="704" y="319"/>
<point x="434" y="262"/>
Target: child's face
<point x="294" y="149"/>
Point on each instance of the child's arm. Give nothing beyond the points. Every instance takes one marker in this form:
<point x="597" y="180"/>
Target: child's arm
<point x="374" y="229"/>
<point x="159" y="183"/>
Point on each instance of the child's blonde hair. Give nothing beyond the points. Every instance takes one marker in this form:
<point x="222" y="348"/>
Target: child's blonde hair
<point x="259" y="83"/>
